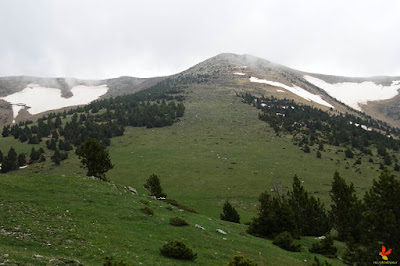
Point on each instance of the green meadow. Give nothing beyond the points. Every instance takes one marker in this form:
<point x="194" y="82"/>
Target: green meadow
<point x="218" y="151"/>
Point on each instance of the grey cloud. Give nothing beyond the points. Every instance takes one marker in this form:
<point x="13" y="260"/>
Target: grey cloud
<point x="101" y="39"/>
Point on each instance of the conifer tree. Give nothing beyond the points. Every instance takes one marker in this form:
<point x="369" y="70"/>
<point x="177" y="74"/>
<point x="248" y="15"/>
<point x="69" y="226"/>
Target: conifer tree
<point x="345" y="210"/>
<point x="10" y="162"/>
<point x="275" y="216"/>
<point x="309" y="213"/>
<point x="154" y="186"/>
<point x="229" y="213"/>
<point x="94" y="156"/>
<point x="21" y="159"/>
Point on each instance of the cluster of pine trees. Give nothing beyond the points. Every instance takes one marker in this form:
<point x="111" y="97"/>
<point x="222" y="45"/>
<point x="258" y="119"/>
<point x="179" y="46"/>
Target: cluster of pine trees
<point x="157" y="106"/>
<point x="317" y="126"/>
<point x="12" y="161"/>
<point x="364" y="224"/>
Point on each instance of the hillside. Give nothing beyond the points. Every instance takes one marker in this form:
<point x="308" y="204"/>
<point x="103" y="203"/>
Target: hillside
<point x="376" y="96"/>
<point x="219" y="150"/>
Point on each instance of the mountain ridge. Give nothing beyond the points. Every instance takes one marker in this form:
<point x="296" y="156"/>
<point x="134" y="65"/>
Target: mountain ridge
<point x="221" y="70"/>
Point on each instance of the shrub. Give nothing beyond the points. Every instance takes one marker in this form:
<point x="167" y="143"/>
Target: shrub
<point x="229" y="213"/>
<point x="109" y="261"/>
<point x="349" y="153"/>
<point x="176" y="221"/>
<point x="319" y="154"/>
<point x="180" y="206"/>
<point x="147" y="210"/>
<point x="240" y="260"/>
<point x="325" y="247"/>
<point x="145" y="202"/>
<point x="318" y="263"/>
<point x="177" y="250"/>
<point x="306" y="149"/>
<point x="172" y="202"/>
<point x="188" y="209"/>
<point x="284" y="240"/>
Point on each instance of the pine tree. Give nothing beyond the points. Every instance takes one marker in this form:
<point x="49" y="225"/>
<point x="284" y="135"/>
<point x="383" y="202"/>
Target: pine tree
<point x="345" y="210"/>
<point x="1" y="156"/>
<point x="21" y="159"/>
<point x="348" y="153"/>
<point x="229" y="213"/>
<point x="10" y="162"/>
<point x="309" y="213"/>
<point x="275" y="216"/>
<point x="154" y="186"/>
<point x="56" y="157"/>
<point x="379" y="222"/>
<point x="94" y="156"/>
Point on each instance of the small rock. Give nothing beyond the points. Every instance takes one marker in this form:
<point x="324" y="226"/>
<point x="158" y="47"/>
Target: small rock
<point x="199" y="226"/>
<point x="225" y="238"/>
<point x="320" y="237"/>
<point x="221" y="232"/>
<point x="3" y="255"/>
<point x="37" y="256"/>
<point x="132" y="190"/>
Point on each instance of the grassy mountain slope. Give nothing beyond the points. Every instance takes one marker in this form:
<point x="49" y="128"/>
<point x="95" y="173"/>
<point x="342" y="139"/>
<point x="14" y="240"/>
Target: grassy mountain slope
<point x="69" y="218"/>
<point x="218" y="150"/>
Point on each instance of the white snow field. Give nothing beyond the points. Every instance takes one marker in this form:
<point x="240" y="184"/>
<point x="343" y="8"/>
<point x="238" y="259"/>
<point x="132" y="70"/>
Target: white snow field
<point x="40" y="99"/>
<point x="356" y="94"/>
<point x="295" y="89"/>
<point x="239" y="73"/>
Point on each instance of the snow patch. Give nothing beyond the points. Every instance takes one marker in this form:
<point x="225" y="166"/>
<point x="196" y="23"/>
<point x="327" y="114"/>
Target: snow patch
<point x="239" y="73"/>
<point x="280" y="91"/>
<point x="295" y="90"/>
<point x="356" y="94"/>
<point x="40" y="99"/>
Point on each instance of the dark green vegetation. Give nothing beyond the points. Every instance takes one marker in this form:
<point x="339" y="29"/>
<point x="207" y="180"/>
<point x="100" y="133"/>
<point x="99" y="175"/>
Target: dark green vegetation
<point x="178" y="250"/>
<point x="241" y="261"/>
<point x="176" y="221"/>
<point x="153" y="185"/>
<point x="229" y="213"/>
<point x="219" y="150"/>
<point x="95" y="158"/>
<point x="285" y="240"/>
<point x="325" y="247"/>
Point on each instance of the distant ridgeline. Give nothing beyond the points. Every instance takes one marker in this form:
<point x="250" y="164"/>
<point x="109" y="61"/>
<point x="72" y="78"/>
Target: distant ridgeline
<point x="310" y="125"/>
<point x="158" y="106"/>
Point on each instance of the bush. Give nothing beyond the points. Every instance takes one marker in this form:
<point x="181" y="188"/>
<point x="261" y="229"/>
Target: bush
<point x="176" y="221"/>
<point x="306" y="149"/>
<point x="318" y="263"/>
<point x="109" y="261"/>
<point x="147" y="210"/>
<point x="229" y="213"/>
<point x="284" y="240"/>
<point x="349" y="153"/>
<point x="325" y="247"/>
<point x="172" y="202"/>
<point x="177" y="250"/>
<point x="180" y="206"/>
<point x="240" y="260"/>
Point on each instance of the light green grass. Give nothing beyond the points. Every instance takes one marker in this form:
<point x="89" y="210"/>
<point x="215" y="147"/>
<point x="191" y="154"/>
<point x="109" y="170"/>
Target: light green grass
<point x="85" y="219"/>
<point x="219" y="150"/>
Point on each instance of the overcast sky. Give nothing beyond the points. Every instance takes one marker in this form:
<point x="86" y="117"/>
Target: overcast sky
<point x="103" y="39"/>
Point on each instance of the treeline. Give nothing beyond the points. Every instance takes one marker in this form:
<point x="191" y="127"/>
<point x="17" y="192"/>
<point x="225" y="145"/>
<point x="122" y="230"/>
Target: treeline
<point x="104" y="119"/>
<point x="13" y="161"/>
<point x="364" y="224"/>
<point x="311" y="125"/>
<point x="159" y="106"/>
